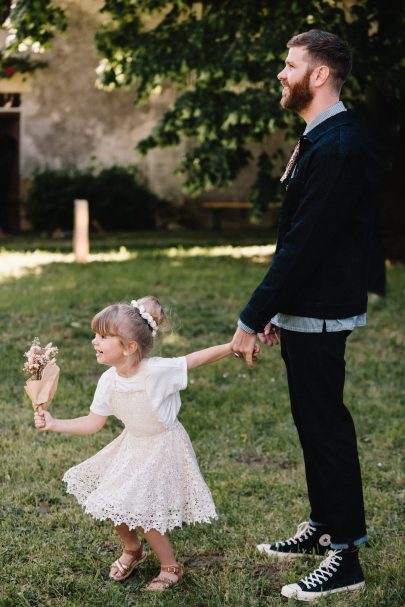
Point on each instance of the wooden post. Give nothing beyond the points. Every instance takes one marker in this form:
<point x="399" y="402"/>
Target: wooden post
<point x="81" y="231"/>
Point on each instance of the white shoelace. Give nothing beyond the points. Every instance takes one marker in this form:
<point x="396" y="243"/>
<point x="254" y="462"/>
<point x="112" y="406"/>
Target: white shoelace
<point x="325" y="570"/>
<point x="304" y="531"/>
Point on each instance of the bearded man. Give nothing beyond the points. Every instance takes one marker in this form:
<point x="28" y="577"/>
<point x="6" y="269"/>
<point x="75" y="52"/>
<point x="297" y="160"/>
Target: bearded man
<point x="313" y="295"/>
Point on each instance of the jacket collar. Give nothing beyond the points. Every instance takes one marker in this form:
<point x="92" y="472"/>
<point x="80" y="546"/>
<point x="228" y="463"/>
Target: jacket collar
<point x="329" y="124"/>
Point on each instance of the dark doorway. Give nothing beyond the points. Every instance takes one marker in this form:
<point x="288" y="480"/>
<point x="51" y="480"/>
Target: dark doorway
<point x="9" y="171"/>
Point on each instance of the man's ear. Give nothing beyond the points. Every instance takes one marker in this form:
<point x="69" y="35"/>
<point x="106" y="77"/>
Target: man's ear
<point x="320" y="75"/>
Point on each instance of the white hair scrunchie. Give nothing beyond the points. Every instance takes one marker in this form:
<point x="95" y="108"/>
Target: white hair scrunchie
<point x="146" y="316"/>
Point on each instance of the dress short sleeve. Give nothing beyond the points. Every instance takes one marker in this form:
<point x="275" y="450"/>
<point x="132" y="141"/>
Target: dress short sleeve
<point x="165" y="377"/>
<point x="100" y="404"/>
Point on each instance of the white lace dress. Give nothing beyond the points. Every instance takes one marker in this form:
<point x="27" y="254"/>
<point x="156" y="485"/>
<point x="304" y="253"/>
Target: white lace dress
<point x="148" y="476"/>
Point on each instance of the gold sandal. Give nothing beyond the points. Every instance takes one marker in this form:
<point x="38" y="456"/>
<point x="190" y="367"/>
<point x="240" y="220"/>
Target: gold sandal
<point x="126" y="569"/>
<point x="165" y="581"/>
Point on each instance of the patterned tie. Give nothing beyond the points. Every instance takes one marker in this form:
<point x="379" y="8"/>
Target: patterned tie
<point x="291" y="163"/>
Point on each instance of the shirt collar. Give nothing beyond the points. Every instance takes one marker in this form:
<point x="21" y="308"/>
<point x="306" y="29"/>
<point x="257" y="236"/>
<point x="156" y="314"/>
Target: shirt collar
<point x="332" y="110"/>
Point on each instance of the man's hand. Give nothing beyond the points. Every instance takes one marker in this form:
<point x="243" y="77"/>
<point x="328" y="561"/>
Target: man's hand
<point x="270" y="335"/>
<point x="244" y="344"/>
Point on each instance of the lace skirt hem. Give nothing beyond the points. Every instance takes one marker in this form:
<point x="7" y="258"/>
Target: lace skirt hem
<point x="160" y="523"/>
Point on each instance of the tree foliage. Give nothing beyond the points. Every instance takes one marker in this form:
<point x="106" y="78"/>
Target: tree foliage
<point x="31" y="26"/>
<point x="222" y="57"/>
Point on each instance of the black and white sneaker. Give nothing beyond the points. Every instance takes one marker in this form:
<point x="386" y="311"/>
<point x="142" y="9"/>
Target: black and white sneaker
<point x="339" y="572"/>
<point x="307" y="540"/>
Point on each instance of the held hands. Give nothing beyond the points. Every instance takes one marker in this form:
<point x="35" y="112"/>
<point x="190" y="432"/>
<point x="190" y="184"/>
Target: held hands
<point x="270" y="335"/>
<point x="244" y="344"/>
<point x="43" y="420"/>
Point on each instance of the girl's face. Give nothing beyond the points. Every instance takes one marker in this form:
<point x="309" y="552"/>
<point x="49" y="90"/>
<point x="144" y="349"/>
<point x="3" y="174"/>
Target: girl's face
<point x="109" y="350"/>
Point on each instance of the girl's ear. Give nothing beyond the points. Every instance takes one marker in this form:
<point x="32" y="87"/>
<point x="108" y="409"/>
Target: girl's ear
<point x="131" y="347"/>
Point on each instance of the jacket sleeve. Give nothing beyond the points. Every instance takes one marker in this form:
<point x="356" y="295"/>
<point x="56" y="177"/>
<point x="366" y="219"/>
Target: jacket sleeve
<point x="335" y="179"/>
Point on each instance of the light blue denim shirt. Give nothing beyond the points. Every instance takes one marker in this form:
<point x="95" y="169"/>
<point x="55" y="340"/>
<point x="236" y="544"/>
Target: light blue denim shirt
<point x="302" y="324"/>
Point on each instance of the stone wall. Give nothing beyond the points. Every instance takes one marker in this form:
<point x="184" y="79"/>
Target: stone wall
<point x="66" y="120"/>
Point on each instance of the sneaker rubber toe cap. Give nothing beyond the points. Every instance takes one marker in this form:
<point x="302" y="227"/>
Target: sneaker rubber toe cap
<point x="291" y="590"/>
<point x="263" y="548"/>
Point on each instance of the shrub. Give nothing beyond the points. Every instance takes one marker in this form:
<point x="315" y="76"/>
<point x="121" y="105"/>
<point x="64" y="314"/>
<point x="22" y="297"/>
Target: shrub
<point x="117" y="199"/>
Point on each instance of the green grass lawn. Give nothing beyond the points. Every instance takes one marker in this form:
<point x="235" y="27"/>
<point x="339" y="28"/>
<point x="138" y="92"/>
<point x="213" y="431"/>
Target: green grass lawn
<point x="238" y="419"/>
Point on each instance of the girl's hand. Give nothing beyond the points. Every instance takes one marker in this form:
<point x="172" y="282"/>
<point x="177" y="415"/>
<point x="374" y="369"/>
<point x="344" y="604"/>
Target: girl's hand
<point x="43" y="421"/>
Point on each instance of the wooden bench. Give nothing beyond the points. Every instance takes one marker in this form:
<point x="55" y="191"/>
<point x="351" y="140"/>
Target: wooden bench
<point x="217" y="209"/>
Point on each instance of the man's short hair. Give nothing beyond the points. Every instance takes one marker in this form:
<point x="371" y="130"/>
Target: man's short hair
<point x="327" y="49"/>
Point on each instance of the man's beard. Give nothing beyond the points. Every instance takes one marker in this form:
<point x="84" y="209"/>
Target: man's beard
<point x="299" y="95"/>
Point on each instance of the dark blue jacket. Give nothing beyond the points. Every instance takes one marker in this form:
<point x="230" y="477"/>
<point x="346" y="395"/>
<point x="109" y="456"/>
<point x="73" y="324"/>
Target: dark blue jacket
<point x="319" y="269"/>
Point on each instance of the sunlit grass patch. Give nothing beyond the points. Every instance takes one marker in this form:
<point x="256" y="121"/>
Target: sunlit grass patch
<point x="16" y="264"/>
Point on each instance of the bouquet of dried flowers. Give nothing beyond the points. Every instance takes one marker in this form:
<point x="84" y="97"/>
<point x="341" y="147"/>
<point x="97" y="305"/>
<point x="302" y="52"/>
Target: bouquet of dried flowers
<point x="41" y="365"/>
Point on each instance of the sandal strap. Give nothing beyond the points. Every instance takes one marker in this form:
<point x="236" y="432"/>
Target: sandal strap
<point x="133" y="552"/>
<point x="122" y="568"/>
<point x="176" y="569"/>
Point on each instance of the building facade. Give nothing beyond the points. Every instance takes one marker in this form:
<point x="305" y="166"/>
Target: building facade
<point x="56" y="117"/>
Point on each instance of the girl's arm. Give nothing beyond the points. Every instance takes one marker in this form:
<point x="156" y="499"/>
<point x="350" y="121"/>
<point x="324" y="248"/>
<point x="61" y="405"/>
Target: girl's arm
<point x="208" y="355"/>
<point x="89" y="424"/>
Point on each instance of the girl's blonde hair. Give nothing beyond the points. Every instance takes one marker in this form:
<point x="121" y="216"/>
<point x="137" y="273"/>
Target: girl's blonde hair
<point x="124" y="321"/>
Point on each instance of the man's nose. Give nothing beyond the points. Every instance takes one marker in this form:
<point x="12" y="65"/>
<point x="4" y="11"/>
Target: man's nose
<point x="280" y="75"/>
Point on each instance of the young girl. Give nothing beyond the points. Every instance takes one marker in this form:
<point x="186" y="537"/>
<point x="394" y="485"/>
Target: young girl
<point x="147" y="479"/>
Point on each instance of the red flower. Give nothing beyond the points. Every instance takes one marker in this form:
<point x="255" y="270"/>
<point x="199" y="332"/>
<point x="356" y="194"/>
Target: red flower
<point x="10" y="70"/>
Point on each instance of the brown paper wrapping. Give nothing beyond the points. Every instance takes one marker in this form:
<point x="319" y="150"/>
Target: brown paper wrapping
<point x="41" y="391"/>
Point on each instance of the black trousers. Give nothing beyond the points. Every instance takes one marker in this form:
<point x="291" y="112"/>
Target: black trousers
<point x="315" y="365"/>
